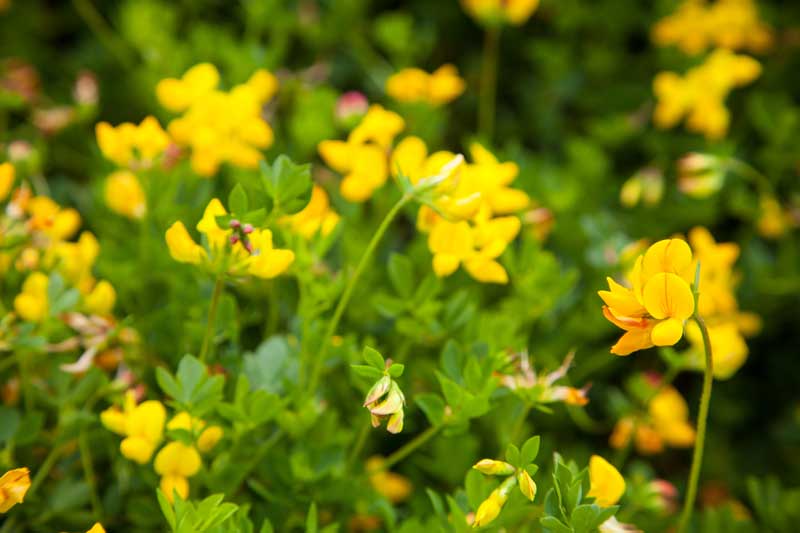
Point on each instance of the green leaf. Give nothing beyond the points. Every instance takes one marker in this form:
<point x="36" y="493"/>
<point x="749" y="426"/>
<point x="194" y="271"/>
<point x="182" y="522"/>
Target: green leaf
<point x="167" y="383"/>
<point x="191" y="373"/>
<point x="512" y="455"/>
<point x="366" y="371"/>
<point x="401" y="274"/>
<point x="166" y="509"/>
<point x="311" y="520"/>
<point x="396" y="370"/>
<point x="237" y="200"/>
<point x="433" y="407"/>
<point x="9" y="423"/>
<point x="374" y="358"/>
<point x="530" y="450"/>
<point x="552" y="524"/>
<point x="288" y="185"/>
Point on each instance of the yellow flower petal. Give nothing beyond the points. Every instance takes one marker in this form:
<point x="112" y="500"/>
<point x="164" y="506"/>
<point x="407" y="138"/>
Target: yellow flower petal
<point x="607" y="484"/>
<point x="181" y="246"/>
<point x="666" y="295"/>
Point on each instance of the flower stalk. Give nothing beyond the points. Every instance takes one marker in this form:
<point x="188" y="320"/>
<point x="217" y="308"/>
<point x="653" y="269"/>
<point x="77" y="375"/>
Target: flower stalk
<point x="212" y="318"/>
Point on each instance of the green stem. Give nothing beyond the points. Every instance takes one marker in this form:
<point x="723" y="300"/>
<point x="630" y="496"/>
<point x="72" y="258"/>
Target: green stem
<point x="88" y="472"/>
<point x="48" y="463"/>
<point x="705" y="401"/>
<point x="25" y="380"/>
<point x="408" y="448"/>
<point x="360" y="441"/>
<point x="520" y="423"/>
<point x="212" y="318"/>
<point x="488" y="88"/>
<point x="103" y="31"/>
<point x="317" y="363"/>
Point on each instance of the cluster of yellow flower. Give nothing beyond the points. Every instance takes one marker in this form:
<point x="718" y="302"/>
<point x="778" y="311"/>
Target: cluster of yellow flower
<point x="362" y="159"/>
<point x="473" y="218"/>
<point x="731" y="24"/>
<point x="415" y="85"/>
<point x="238" y="251"/>
<point x="666" y="422"/>
<point x="655" y="310"/>
<point x="35" y="233"/>
<point x="700" y="94"/>
<point x="218" y="126"/>
<point x="498" y="12"/>
<point x="716" y="303"/>
<point x="143" y="426"/>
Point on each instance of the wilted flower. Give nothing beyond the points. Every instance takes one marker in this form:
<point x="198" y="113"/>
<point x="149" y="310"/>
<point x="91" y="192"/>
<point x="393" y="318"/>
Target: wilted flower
<point x="386" y="400"/>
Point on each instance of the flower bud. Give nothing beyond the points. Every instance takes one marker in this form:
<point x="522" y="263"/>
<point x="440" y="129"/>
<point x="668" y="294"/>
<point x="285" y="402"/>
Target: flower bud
<point x="490" y="467"/>
<point x="394" y="402"/>
<point x="378" y="389"/>
<point x="700" y="175"/>
<point x="527" y="486"/>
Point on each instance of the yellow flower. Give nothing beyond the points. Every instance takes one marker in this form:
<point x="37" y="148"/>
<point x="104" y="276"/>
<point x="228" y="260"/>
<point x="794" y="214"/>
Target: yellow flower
<point x="142" y="426"/>
<point x="219" y="126"/>
<point x="32" y="303"/>
<point x="362" y="159"/>
<point x="416" y="85"/>
<point x="526" y="485"/>
<point x="239" y="251"/>
<point x="128" y="144"/>
<point x="97" y="528"/>
<point x="208" y="436"/>
<point x="607" y="484"/>
<point x="772" y="222"/>
<point x="176" y="462"/>
<point x="453" y="244"/>
<point x="124" y="194"/>
<point x="392" y="486"/>
<point x="7" y="175"/>
<point x="494" y="12"/>
<point x="315" y="218"/>
<point x="179" y="94"/>
<point x="100" y="301"/>
<point x="728" y="348"/>
<point x="700" y="94"/>
<point x="717" y="278"/>
<point x="490" y="508"/>
<point x="55" y="222"/>
<point x="670" y="417"/>
<point x="732" y="24"/>
<point x="654" y="310"/>
<point x="490" y="467"/>
<point x="13" y="486"/>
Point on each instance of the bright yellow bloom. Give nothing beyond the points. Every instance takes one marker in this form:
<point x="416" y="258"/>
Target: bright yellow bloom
<point x="7" y="175"/>
<point x="101" y="299"/>
<point x="55" y="222"/>
<point x="773" y="222"/>
<point x="124" y="194"/>
<point x="219" y="126"/>
<point x="97" y="528"/>
<point x="363" y="158"/>
<point x="239" y="252"/>
<point x="728" y="348"/>
<point x="494" y="12"/>
<point x="142" y="426"/>
<point x="731" y="24"/>
<point x="179" y="94"/>
<point x="655" y="309"/>
<point x="700" y="94"/>
<point x="316" y="218"/>
<point x="208" y="436"/>
<point x="717" y="278"/>
<point x="670" y="417"/>
<point x="416" y="85"/>
<point x="607" y="484"/>
<point x="13" y="486"/>
<point x="454" y="244"/>
<point x="75" y="260"/>
<point x="175" y="463"/>
<point x="392" y="486"/>
<point x="32" y="303"/>
<point x="130" y="145"/>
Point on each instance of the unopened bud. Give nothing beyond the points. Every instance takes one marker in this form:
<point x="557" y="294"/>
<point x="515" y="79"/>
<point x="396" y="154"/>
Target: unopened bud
<point x="527" y="486"/>
<point x="490" y="467"/>
<point x="234" y="239"/>
<point x="247" y="229"/>
<point x="700" y="175"/>
<point x="235" y="224"/>
<point x="394" y="402"/>
<point x="378" y="389"/>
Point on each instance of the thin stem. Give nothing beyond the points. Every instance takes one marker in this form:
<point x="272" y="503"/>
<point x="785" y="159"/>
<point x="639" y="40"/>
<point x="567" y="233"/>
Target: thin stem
<point x="316" y="363"/>
<point x="361" y="439"/>
<point x="212" y="318"/>
<point x="407" y="448"/>
<point x="488" y="88"/>
<point x="88" y="473"/>
<point x="88" y="12"/>
<point x="48" y="463"/>
<point x="705" y="401"/>
<point x="520" y="423"/>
